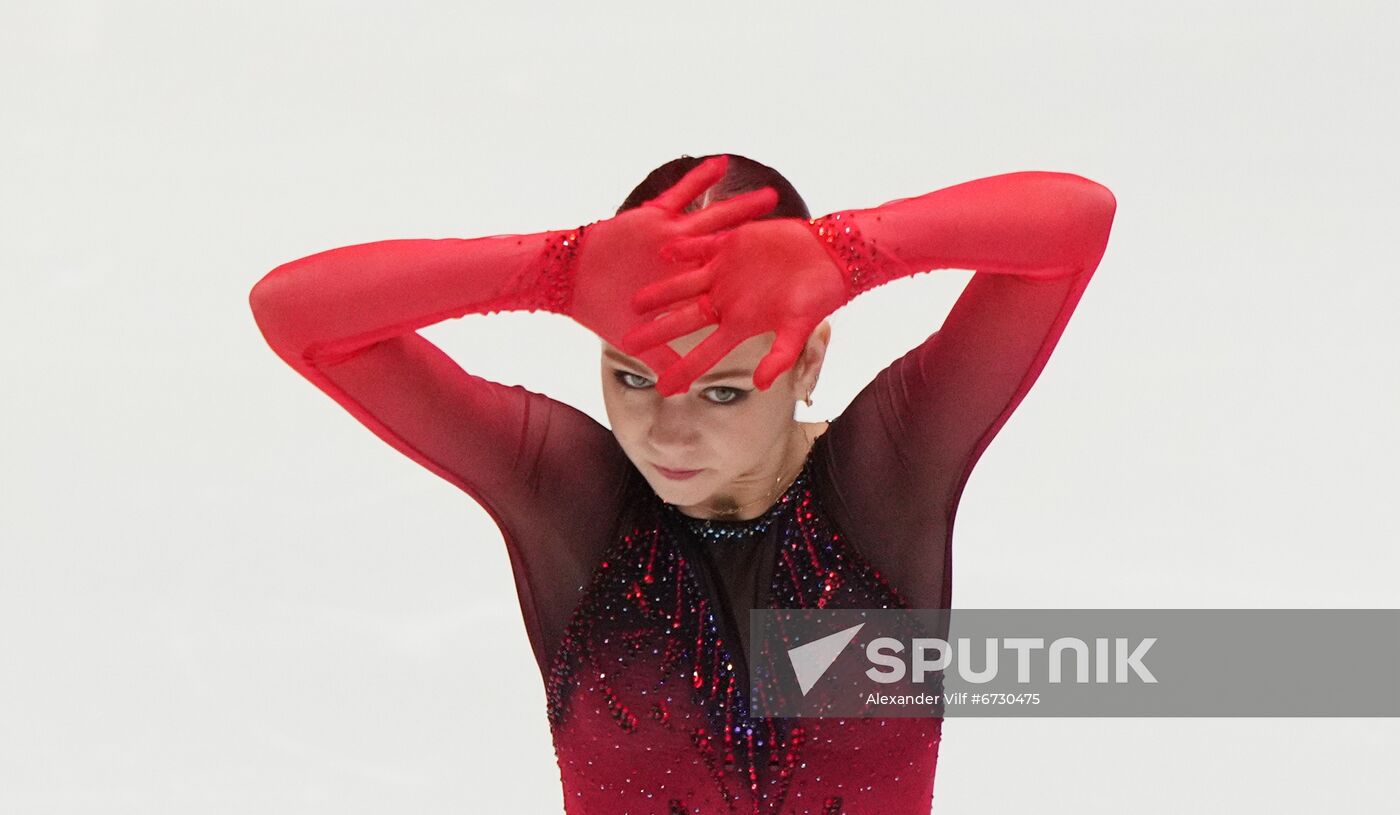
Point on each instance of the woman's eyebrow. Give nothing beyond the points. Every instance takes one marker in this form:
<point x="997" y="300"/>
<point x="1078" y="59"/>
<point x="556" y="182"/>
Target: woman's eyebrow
<point x="616" y="357"/>
<point x="732" y="372"/>
<point x="622" y="360"/>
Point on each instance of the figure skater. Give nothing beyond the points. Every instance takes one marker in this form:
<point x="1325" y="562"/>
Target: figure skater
<point x="638" y="550"/>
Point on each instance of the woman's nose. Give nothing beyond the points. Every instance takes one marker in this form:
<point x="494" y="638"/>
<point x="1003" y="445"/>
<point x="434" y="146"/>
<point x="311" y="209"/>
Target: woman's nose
<point x="673" y="425"/>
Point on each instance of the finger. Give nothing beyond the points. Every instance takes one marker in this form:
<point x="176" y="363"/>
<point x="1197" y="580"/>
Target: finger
<point x="732" y="211"/>
<point x="673" y="326"/>
<point x="785" y="351"/>
<point x="658" y="358"/>
<point x="700" y="178"/>
<point x="662" y="311"/>
<point x="677" y="378"/>
<point x="701" y="248"/>
<point x="677" y="287"/>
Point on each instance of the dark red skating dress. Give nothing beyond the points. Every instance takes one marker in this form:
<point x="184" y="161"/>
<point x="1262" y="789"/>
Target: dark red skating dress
<point x="637" y="613"/>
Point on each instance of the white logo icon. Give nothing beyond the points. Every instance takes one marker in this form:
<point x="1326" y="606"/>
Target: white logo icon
<point x="810" y="661"/>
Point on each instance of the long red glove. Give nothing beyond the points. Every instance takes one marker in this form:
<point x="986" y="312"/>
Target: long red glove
<point x="335" y="304"/>
<point x="786" y="275"/>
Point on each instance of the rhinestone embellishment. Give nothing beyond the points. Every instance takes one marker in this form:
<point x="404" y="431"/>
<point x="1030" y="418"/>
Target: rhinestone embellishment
<point x="864" y="265"/>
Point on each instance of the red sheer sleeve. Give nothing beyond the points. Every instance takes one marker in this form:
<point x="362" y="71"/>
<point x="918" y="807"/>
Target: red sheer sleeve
<point x="346" y="320"/>
<point x="901" y="453"/>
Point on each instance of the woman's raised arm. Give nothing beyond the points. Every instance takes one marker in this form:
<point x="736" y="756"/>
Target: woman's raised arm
<point x="345" y="320"/>
<point x="1034" y="240"/>
<point x="904" y="448"/>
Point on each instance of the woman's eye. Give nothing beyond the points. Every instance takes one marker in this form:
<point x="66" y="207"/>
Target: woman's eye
<point x="631" y="380"/>
<point x="718" y="395"/>
<point x="727" y="395"/>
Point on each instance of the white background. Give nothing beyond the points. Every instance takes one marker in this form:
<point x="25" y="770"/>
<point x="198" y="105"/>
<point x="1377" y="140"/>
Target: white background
<point x="220" y="594"/>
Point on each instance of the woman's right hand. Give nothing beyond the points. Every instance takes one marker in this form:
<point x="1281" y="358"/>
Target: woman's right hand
<point x="620" y="255"/>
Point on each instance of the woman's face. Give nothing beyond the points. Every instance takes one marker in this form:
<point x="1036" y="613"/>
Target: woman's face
<point x="723" y="427"/>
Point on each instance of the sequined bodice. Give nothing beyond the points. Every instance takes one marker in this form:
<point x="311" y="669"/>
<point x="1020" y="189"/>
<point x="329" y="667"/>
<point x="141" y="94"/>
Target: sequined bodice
<point x="648" y="695"/>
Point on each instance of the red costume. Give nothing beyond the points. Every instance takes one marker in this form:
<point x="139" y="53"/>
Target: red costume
<point x="637" y="613"/>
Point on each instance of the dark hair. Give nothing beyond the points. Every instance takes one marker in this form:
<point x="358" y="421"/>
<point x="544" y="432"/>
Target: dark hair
<point x="741" y="175"/>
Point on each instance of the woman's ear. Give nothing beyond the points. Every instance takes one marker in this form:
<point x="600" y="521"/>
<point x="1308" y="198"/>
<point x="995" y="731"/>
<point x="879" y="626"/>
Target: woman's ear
<point x="809" y="365"/>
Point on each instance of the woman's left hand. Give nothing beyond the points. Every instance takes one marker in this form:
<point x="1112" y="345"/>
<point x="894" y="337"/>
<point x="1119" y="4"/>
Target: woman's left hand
<point x="763" y="276"/>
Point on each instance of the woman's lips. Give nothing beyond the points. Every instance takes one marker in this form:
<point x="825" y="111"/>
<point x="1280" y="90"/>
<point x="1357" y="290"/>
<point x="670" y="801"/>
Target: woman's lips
<point x="675" y="474"/>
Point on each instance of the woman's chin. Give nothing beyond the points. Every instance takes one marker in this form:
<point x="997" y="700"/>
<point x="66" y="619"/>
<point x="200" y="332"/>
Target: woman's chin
<point x="682" y="493"/>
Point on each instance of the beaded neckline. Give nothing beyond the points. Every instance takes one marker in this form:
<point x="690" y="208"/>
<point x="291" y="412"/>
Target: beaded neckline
<point x="715" y="529"/>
